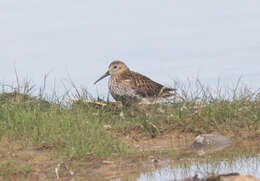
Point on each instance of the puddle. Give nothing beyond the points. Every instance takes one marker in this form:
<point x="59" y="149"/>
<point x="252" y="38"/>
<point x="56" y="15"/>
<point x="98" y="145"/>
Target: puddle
<point x="242" y="165"/>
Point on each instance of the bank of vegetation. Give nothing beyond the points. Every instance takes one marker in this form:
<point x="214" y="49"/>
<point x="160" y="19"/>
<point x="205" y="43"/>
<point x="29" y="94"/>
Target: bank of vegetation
<point x="79" y="128"/>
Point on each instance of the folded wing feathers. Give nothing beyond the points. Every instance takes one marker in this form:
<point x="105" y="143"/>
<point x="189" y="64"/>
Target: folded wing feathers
<point x="146" y="87"/>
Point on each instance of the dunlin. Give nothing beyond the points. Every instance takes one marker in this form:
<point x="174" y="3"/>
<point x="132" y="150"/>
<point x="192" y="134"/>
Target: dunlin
<point x="130" y="87"/>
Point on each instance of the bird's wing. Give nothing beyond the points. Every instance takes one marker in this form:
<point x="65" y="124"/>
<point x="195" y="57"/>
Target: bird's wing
<point x="144" y="86"/>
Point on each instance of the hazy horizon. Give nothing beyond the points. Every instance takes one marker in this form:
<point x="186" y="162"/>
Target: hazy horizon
<point x="166" y="41"/>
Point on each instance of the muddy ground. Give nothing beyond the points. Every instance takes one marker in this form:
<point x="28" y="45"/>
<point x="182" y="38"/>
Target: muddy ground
<point x="39" y="163"/>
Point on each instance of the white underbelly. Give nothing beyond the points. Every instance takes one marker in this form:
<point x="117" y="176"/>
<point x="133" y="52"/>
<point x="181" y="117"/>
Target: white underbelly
<point x="117" y="90"/>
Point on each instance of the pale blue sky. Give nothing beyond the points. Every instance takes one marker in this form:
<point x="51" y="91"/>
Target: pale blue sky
<point x="165" y="40"/>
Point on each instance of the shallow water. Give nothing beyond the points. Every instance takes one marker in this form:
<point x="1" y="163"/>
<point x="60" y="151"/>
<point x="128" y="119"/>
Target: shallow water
<point x="242" y="165"/>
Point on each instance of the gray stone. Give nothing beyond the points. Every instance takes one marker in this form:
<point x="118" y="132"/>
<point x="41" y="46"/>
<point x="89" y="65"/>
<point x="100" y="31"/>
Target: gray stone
<point x="208" y="143"/>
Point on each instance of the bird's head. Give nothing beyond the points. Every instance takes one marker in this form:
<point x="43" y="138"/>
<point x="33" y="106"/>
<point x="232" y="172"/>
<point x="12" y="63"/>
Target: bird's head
<point x="115" y="68"/>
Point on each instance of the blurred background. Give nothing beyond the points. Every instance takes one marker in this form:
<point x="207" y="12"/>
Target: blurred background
<point x="166" y="40"/>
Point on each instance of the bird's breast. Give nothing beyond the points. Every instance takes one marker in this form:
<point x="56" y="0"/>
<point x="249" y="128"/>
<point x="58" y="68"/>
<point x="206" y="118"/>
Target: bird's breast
<point x="118" y="87"/>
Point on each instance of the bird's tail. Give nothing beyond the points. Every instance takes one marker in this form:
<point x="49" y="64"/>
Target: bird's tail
<point x="166" y="92"/>
<point x="170" y="89"/>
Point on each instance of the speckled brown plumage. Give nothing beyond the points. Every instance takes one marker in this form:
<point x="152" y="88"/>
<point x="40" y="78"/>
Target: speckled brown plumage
<point x="130" y="87"/>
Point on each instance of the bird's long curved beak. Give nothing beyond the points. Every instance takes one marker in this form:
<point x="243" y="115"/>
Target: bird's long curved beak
<point x="102" y="77"/>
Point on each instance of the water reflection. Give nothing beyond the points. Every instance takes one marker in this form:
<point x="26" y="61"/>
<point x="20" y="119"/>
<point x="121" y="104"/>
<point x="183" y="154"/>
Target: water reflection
<point x="203" y="168"/>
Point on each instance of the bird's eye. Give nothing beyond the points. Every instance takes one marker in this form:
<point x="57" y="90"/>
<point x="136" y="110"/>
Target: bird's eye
<point x="114" y="67"/>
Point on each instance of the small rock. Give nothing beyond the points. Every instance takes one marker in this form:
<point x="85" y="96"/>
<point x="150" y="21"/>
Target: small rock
<point x="208" y="143"/>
